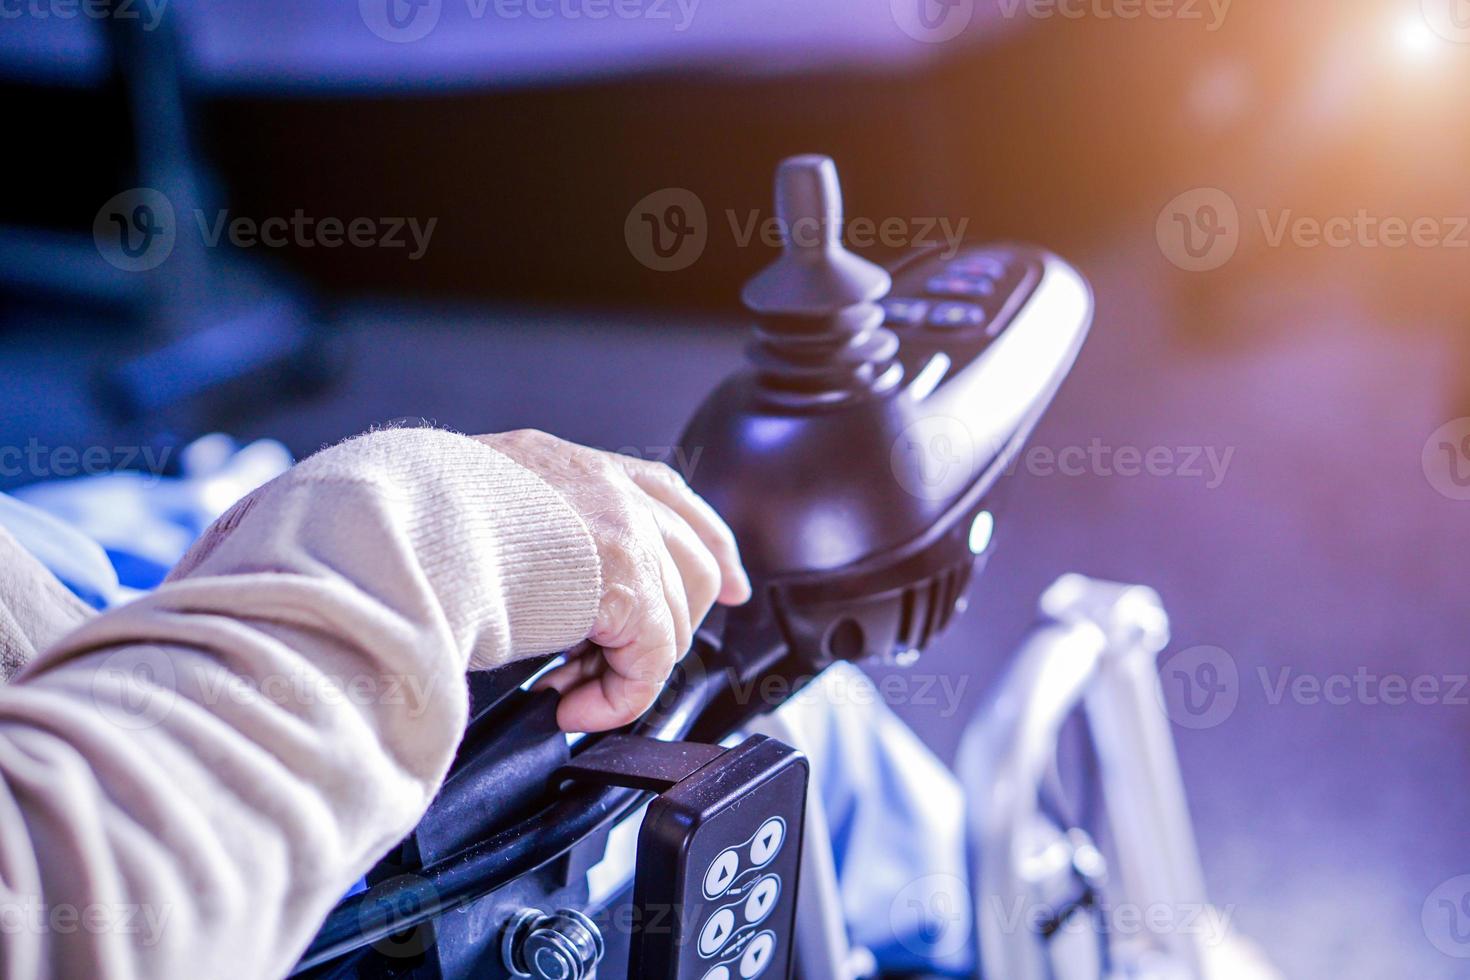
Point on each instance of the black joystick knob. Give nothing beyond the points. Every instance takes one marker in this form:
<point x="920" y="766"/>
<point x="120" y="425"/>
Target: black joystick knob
<point x="820" y="337"/>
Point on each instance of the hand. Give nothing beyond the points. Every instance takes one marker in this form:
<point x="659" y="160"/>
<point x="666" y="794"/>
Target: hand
<point x="667" y="557"/>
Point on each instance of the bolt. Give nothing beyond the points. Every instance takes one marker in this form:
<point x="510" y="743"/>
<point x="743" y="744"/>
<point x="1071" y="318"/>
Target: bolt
<point x="565" y="945"/>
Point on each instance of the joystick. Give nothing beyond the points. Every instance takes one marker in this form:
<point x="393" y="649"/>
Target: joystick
<point x="857" y="456"/>
<point x="820" y="336"/>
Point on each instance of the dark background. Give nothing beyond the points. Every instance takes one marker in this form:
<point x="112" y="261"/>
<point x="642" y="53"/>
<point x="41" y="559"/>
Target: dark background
<point x="1326" y="549"/>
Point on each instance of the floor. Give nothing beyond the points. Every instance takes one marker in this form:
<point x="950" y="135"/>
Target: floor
<point x="1316" y="546"/>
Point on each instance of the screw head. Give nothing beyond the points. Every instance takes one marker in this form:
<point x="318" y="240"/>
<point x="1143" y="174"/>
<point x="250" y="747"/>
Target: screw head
<point x="565" y="945"/>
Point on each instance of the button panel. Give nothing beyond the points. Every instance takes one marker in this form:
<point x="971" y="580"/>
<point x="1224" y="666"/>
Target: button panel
<point x="729" y="933"/>
<point x="723" y="849"/>
<point x="967" y="294"/>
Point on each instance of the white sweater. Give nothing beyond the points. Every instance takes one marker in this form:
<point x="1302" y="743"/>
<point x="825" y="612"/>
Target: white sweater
<point x="190" y="781"/>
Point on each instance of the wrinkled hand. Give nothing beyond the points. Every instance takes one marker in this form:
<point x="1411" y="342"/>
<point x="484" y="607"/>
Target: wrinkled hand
<point x="667" y="557"/>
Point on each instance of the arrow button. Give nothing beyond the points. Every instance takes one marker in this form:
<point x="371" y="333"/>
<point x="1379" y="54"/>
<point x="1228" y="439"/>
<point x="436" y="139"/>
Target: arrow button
<point x="715" y="932"/>
<point x="721" y="873"/>
<point x="767" y="841"/>
<point x="762" y="898"/>
<point x="758" y="955"/>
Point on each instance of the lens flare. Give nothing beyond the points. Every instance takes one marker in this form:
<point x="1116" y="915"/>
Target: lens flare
<point x="1417" y="40"/>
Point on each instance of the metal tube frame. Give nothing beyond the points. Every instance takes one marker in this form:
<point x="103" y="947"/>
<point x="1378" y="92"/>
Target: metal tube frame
<point x="1094" y="650"/>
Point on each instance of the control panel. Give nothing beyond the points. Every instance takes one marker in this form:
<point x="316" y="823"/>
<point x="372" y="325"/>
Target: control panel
<point x="718" y="858"/>
<point x="941" y="301"/>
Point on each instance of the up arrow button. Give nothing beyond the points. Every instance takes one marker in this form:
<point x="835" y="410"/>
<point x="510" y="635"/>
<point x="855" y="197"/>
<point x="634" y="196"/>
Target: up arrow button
<point x="767" y="841"/>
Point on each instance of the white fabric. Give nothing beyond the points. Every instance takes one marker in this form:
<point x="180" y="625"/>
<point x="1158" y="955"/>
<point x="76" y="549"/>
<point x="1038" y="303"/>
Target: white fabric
<point x="189" y="781"/>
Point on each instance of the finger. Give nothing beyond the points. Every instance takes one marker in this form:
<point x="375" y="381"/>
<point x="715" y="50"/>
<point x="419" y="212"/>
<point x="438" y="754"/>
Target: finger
<point x="676" y="601"/>
<point x="665" y="485"/>
<point x="576" y="670"/>
<point x="640" y="579"/>
<point x="637" y="671"/>
<point x="697" y="568"/>
<point x="628" y="681"/>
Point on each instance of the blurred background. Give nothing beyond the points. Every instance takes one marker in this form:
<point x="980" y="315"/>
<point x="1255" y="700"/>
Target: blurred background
<point x="296" y="220"/>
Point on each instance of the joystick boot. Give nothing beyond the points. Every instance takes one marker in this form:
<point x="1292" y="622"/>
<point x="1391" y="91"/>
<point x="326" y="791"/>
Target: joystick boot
<point x="820" y="335"/>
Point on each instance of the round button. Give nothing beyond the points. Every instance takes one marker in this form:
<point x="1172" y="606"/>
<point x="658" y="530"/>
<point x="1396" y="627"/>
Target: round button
<point x="904" y="312"/>
<point x="721" y="972"/>
<point x="758" y="955"/>
<point x="762" y="898"/>
<point x="956" y="316"/>
<point x="712" y="937"/>
<point x="721" y="873"/>
<point x="767" y="841"/>
<point x="978" y="265"/>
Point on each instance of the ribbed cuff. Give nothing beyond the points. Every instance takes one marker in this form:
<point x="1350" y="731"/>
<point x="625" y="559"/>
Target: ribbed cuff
<point x="512" y="564"/>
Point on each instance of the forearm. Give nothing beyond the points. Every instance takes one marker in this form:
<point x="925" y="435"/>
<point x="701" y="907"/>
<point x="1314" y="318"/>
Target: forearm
<point x="224" y="756"/>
